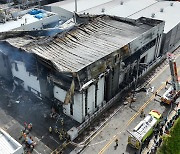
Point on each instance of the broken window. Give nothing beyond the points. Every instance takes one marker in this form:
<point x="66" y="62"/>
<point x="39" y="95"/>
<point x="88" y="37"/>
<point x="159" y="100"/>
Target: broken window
<point x="71" y="108"/>
<point x="96" y="90"/>
<point x="16" y="67"/>
<point x="116" y="58"/>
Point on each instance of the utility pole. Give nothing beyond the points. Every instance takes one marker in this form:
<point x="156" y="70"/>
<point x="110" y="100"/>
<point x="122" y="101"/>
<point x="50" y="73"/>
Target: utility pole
<point x="75" y="6"/>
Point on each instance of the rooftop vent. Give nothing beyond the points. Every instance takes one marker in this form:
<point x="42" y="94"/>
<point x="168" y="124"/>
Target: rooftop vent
<point x="103" y="10"/>
<point x="153" y="15"/>
<point x="121" y="2"/>
<point x="161" y="10"/>
<point x="171" y="4"/>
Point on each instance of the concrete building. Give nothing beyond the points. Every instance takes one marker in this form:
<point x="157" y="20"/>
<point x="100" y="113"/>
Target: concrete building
<point x="167" y="11"/>
<point x="84" y="68"/>
<point x="26" y="20"/>
<point x="66" y="9"/>
<point x="8" y="145"/>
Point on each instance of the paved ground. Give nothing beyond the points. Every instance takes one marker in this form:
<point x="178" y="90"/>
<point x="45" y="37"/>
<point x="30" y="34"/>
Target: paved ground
<point x="128" y="117"/>
<point x="31" y="110"/>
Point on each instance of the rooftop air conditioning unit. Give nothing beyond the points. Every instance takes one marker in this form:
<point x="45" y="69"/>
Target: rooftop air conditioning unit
<point x="103" y="10"/>
<point x="121" y="2"/>
<point x="161" y="10"/>
<point x="171" y="4"/>
<point x="153" y="15"/>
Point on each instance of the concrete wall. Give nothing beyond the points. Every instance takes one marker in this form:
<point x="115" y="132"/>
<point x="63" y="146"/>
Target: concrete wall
<point x="100" y="91"/>
<point x="63" y="14"/>
<point x="39" y="24"/>
<point x="29" y="79"/>
<point x="78" y="103"/>
<point x="171" y="40"/>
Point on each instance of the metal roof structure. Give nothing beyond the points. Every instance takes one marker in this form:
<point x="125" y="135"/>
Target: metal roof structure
<point x="163" y="10"/>
<point x="120" y="8"/>
<point x="69" y="5"/>
<point x="143" y="127"/>
<point x="8" y="145"/>
<point x="85" y="44"/>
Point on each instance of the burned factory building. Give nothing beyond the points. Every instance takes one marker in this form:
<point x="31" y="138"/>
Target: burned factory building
<point x="86" y="67"/>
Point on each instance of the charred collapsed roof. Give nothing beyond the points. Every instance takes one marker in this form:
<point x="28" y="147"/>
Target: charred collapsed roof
<point x="87" y="50"/>
<point x="86" y="43"/>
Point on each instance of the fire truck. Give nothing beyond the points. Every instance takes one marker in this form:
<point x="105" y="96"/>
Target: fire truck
<point x="144" y="129"/>
<point x="173" y="92"/>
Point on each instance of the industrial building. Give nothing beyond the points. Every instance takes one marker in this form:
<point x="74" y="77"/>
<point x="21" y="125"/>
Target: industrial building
<point x="66" y="9"/>
<point x="87" y="66"/>
<point x="26" y="20"/>
<point x="134" y="9"/>
<point x="167" y="11"/>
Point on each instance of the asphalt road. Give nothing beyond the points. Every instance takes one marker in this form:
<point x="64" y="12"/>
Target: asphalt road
<point x="128" y="117"/>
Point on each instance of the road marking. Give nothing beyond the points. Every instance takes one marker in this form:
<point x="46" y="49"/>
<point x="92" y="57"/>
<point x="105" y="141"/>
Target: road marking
<point x="134" y="116"/>
<point x="36" y="151"/>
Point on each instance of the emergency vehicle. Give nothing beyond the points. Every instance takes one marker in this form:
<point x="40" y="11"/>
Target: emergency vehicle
<point x="144" y="129"/>
<point x="173" y="91"/>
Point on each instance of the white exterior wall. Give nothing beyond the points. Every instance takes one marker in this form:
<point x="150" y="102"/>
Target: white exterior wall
<point x="63" y="14"/>
<point x="100" y="91"/>
<point x="39" y="24"/>
<point x="78" y="110"/>
<point x="9" y="144"/>
<point x="91" y="99"/>
<point x="121" y="77"/>
<point x="60" y="95"/>
<point x="29" y="79"/>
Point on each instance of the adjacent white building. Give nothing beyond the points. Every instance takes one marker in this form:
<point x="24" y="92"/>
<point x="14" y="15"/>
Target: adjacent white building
<point x="66" y="9"/>
<point x="27" y="20"/>
<point x="9" y="145"/>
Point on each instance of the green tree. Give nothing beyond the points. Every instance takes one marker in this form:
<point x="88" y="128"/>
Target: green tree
<point x="171" y="142"/>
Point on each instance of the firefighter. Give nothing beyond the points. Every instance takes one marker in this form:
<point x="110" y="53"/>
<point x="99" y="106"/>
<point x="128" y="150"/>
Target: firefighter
<point x="62" y="121"/>
<point x="50" y="129"/>
<point x="60" y="136"/>
<point x="142" y="113"/>
<point x="56" y="129"/>
<point x="25" y="125"/>
<point x="116" y="144"/>
<point x="29" y="126"/>
<point x="116" y="141"/>
<point x="166" y="84"/>
<point x="21" y="134"/>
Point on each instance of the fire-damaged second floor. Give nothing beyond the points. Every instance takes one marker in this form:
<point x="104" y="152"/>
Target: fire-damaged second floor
<point x="86" y="66"/>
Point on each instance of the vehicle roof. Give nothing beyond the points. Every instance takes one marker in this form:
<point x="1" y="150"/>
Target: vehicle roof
<point x="143" y="127"/>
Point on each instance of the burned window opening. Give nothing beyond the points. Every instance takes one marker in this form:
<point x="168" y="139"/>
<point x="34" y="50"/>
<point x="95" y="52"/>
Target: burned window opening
<point x="96" y="90"/>
<point x="137" y="54"/>
<point x="16" y="67"/>
<point x="86" y="102"/>
<point x="71" y="108"/>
